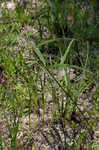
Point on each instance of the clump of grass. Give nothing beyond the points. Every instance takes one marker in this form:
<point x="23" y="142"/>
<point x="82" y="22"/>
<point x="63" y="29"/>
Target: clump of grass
<point x="26" y="67"/>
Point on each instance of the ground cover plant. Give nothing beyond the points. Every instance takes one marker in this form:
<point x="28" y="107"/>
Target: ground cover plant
<point x="49" y="75"/>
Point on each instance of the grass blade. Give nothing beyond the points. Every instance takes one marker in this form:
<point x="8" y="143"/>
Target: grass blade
<point x="67" y="65"/>
<point x="40" y="56"/>
<point x="67" y="51"/>
<point x="54" y="40"/>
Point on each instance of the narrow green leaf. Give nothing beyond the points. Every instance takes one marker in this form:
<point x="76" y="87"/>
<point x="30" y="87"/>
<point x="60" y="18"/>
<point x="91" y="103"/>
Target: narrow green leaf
<point x="8" y="124"/>
<point x="67" y="65"/>
<point x="67" y="51"/>
<point x="54" y="40"/>
<point x="39" y="54"/>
